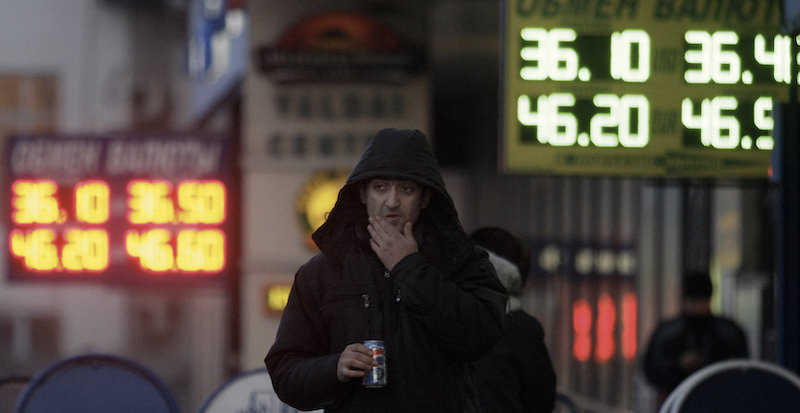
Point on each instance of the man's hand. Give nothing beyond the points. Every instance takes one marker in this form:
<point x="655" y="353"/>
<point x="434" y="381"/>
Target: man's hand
<point x="354" y="361"/>
<point x="691" y="361"/>
<point x="390" y="245"/>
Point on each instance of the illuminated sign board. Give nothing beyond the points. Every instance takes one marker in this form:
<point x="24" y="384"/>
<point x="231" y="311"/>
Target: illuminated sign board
<point x="316" y="200"/>
<point x="119" y="209"/>
<point x="643" y="88"/>
<point x="274" y="298"/>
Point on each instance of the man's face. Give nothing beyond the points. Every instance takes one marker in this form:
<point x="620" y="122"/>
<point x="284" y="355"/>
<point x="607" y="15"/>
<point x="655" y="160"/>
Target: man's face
<point x="396" y="201"/>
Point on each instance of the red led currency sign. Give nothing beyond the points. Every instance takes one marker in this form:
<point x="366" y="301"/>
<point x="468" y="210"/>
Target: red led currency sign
<point x="200" y="249"/>
<point x="202" y="202"/>
<point x="199" y="202"/>
<point x="149" y="202"/>
<point x="35" y="247"/>
<point x="85" y="250"/>
<point x="46" y="240"/>
<point x="91" y="202"/>
<point x="35" y="203"/>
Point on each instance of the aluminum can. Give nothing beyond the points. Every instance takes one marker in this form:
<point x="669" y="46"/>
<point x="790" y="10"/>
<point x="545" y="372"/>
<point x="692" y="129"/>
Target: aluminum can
<point x="376" y="377"/>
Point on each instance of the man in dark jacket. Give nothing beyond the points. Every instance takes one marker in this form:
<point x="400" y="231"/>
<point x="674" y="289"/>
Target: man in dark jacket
<point x="395" y="265"/>
<point x="517" y="375"/>
<point x="695" y="339"/>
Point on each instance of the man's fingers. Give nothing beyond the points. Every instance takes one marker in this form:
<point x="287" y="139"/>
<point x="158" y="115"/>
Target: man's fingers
<point x="354" y="361"/>
<point x="408" y="231"/>
<point x="389" y="244"/>
<point x="378" y="226"/>
<point x="373" y="229"/>
<point x="352" y="372"/>
<point x="355" y="349"/>
<point x="380" y="229"/>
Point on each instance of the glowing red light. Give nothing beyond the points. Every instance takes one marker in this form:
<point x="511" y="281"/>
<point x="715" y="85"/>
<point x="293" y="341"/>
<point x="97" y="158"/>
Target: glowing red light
<point x="629" y="320"/>
<point x="582" y="327"/>
<point x="606" y="319"/>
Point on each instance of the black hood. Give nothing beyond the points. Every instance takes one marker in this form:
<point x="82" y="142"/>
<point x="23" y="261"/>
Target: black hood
<point x="392" y="153"/>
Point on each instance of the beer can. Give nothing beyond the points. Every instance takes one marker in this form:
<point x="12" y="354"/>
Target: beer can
<point x="376" y="377"/>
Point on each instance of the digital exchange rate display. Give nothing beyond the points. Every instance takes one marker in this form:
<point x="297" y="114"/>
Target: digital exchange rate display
<point x="153" y="209"/>
<point x="673" y="88"/>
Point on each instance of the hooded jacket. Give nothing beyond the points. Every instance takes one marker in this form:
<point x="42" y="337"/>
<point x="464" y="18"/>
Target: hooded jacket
<point x="436" y="311"/>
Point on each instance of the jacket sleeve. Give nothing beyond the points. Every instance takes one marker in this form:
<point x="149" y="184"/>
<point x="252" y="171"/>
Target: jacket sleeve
<point x="463" y="312"/>
<point x="300" y="363"/>
<point x="661" y="360"/>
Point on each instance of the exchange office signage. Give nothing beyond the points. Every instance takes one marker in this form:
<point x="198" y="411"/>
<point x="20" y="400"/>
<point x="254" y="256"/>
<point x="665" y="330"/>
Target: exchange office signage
<point x="126" y="209"/>
<point x="649" y="88"/>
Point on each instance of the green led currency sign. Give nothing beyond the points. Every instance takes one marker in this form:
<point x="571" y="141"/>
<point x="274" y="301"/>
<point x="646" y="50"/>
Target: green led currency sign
<point x="670" y="88"/>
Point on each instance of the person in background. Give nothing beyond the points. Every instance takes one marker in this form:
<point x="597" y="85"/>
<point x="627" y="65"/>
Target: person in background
<point x="517" y="375"/>
<point x="394" y="265"/>
<point x="694" y="339"/>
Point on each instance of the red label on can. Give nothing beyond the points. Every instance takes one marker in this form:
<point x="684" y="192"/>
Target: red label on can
<point x="376" y="377"/>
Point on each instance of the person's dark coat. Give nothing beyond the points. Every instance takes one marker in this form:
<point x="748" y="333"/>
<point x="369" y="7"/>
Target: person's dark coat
<point x="714" y="338"/>
<point x="436" y="311"/>
<point x="517" y="375"/>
